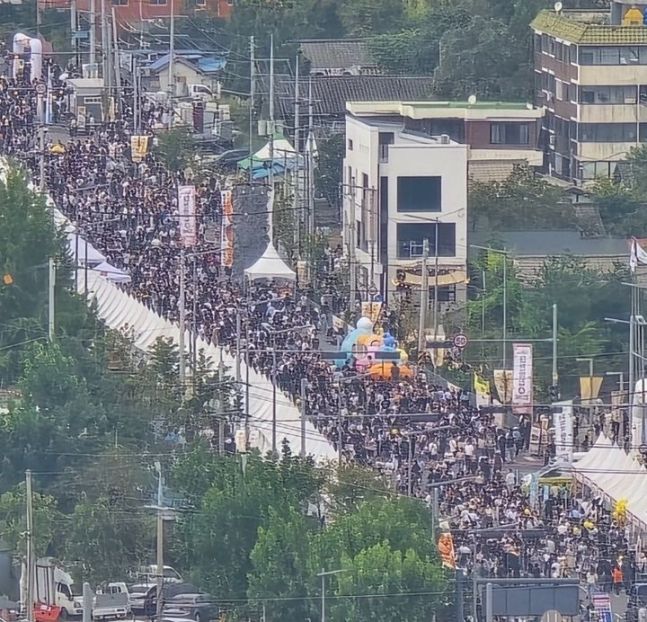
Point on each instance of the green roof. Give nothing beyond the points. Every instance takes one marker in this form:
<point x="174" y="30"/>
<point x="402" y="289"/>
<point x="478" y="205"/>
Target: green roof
<point x="570" y="29"/>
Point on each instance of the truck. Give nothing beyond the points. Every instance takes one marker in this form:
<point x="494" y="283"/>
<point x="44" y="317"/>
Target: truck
<point x="56" y="596"/>
<point x="112" y="602"/>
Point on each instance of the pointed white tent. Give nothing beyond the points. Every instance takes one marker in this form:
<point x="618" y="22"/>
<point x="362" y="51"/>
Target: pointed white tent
<point x="270" y="266"/>
<point x="89" y="255"/>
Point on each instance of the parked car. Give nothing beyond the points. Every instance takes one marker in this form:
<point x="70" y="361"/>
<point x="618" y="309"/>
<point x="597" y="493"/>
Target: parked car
<point x="142" y="596"/>
<point x="148" y="574"/>
<point x="198" y="607"/>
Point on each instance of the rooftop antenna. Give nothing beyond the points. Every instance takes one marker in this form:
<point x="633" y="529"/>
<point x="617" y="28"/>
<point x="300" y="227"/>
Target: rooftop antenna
<point x="471" y="100"/>
<point x="558" y="7"/>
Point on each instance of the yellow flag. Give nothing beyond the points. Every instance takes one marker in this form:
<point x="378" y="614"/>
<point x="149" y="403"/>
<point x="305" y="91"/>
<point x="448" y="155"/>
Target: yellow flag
<point x="481" y="386"/>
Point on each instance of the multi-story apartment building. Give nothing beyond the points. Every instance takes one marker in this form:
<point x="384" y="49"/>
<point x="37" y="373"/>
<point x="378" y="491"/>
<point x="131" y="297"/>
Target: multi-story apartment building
<point x="403" y="190"/>
<point x="591" y="75"/>
<point x="406" y="171"/>
<point x="499" y="135"/>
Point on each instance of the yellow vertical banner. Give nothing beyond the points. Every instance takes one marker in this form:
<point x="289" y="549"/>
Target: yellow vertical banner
<point x="503" y="383"/>
<point x="590" y="387"/>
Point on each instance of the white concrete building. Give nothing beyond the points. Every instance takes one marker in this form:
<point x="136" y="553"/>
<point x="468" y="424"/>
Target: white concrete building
<point x="402" y="188"/>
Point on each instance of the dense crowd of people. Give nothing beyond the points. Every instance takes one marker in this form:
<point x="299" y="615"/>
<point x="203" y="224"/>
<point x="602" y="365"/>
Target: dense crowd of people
<point x="428" y="439"/>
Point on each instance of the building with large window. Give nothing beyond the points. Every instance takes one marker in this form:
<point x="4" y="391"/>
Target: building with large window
<point x="406" y="172"/>
<point x="591" y="75"/>
<point x="403" y="190"/>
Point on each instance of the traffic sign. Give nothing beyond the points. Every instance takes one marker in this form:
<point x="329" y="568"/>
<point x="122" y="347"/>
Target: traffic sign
<point x="460" y="340"/>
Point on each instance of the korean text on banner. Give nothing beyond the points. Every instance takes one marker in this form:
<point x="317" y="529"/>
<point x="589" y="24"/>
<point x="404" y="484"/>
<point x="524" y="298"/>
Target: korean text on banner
<point x="522" y="389"/>
<point x="227" y="234"/>
<point x="186" y="212"/>
<point x="138" y="148"/>
<point x="563" y="425"/>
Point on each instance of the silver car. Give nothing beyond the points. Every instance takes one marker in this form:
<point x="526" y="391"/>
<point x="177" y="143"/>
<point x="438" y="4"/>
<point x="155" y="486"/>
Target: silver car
<point x="197" y="607"/>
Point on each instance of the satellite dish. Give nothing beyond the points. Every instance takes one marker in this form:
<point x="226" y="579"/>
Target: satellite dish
<point x="471" y="100"/>
<point x="558" y="6"/>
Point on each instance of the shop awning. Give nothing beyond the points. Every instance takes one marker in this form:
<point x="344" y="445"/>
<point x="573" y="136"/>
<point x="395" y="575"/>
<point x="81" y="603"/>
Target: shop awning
<point x="455" y="277"/>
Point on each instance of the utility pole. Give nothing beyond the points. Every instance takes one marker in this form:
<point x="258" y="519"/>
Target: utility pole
<point x="297" y="148"/>
<point x="252" y="88"/>
<point x="304" y="386"/>
<point x="221" y="422"/>
<point x="160" y="542"/>
<point x="271" y="128"/>
<point x="73" y="29"/>
<point x="323" y="595"/>
<point x="93" y="33"/>
<point x="51" y="301"/>
<point x="436" y="305"/>
<point x="136" y="102"/>
<point x="424" y="294"/>
<point x="273" y="395"/>
<point x="410" y="467"/>
<point x="29" y="596"/>
<point x="351" y="251"/>
<point x="311" y="163"/>
<point x="238" y="352"/>
<point x="115" y="50"/>
<point x="171" y="60"/>
<point x="182" y="315"/>
<point x="104" y="46"/>
<point x="41" y="147"/>
<point x="555" y="376"/>
<point x="505" y="315"/>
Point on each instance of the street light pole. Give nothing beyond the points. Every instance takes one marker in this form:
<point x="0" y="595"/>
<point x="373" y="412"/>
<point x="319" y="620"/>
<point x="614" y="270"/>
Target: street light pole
<point x="436" y="305"/>
<point x="555" y="375"/>
<point x="424" y="293"/>
<point x="182" y="314"/>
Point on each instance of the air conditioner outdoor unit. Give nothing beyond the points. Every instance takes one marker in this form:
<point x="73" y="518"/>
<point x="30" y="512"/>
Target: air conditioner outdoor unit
<point x="444" y="139"/>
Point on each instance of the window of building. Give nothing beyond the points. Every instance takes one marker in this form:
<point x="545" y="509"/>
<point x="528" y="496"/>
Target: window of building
<point x="419" y="194"/>
<point x="385" y="139"/>
<point x="607" y="132"/>
<point x="411" y="238"/>
<point x="572" y="54"/>
<point x="607" y="94"/>
<point x="350" y="144"/>
<point x="119" y="2"/>
<point x="201" y="3"/>
<point x="613" y="55"/>
<point x="158" y="2"/>
<point x="537" y="43"/>
<point x="509" y="133"/>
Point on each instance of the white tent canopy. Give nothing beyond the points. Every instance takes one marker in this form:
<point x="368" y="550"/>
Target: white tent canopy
<point x="122" y="312"/>
<point x="111" y="273"/>
<point x="282" y="149"/>
<point x="87" y="253"/>
<point x="270" y="266"/>
<point x="615" y="474"/>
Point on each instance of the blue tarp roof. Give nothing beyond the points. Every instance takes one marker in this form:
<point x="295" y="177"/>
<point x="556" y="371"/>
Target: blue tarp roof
<point x="206" y="64"/>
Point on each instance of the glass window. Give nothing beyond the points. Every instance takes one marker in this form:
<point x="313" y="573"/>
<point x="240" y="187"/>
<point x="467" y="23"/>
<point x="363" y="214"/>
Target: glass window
<point x="609" y="56"/>
<point x="411" y="238"/>
<point x="607" y="132"/>
<point x="573" y="53"/>
<point x="608" y="95"/>
<point x="419" y="194"/>
<point x="509" y="133"/>
<point x="629" y="55"/>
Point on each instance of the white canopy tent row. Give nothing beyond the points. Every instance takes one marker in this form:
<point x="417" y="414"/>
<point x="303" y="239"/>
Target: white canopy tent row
<point x="120" y="311"/>
<point x="615" y="474"/>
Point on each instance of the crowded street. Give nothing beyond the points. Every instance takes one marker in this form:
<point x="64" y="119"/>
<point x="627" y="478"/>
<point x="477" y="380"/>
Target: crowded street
<point x="427" y="437"/>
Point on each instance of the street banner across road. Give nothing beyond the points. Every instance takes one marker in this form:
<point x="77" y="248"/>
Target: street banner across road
<point x="522" y="388"/>
<point x="186" y="212"/>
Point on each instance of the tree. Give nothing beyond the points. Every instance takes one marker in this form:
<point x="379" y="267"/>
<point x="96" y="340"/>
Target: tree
<point x="520" y="202"/>
<point x="384" y="584"/>
<point x="28" y="240"/>
<point x="46" y="517"/>
<point x="328" y="174"/>
<point x="369" y="17"/>
<point x="174" y="148"/>
<point x="110" y="537"/>
<point x="280" y="564"/>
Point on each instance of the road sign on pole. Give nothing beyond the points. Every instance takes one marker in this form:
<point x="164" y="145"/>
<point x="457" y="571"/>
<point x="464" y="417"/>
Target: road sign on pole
<point x="460" y="340"/>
